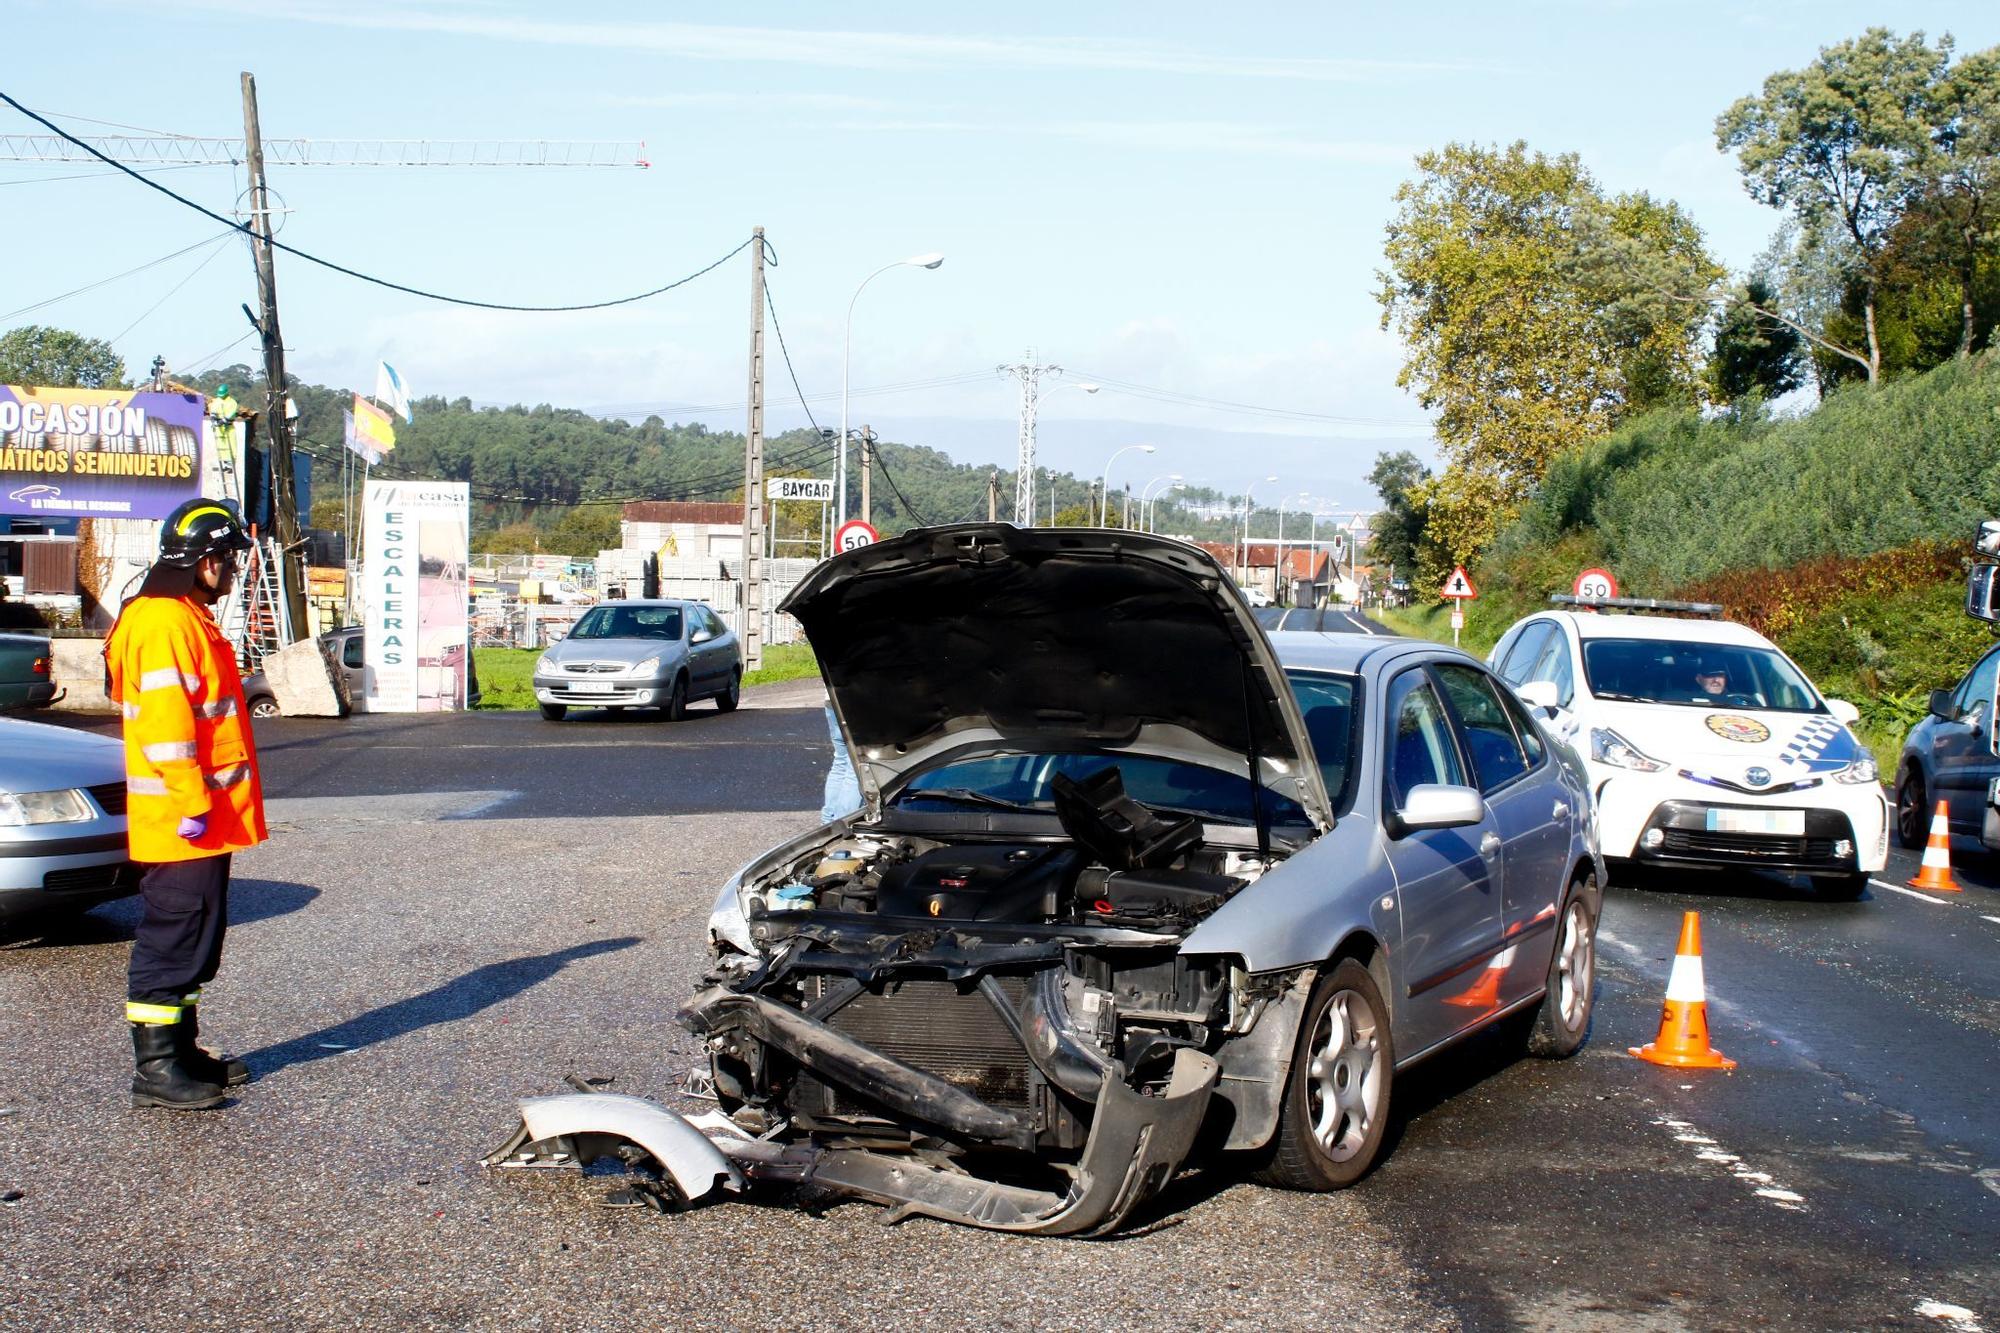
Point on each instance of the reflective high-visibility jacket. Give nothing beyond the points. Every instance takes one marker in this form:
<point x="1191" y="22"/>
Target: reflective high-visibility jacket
<point x="188" y="749"/>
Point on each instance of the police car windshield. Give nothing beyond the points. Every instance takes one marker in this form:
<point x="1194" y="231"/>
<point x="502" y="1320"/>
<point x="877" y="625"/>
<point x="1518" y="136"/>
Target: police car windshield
<point x="1696" y="675"/>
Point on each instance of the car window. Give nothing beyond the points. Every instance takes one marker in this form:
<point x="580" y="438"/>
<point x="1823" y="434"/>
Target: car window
<point x="1327" y="702"/>
<point x="1421" y="749"/>
<point x="1520" y="659"/>
<point x="1525" y="728"/>
<point x="350" y="653"/>
<point x="1977" y="687"/>
<point x="714" y="622"/>
<point x="1497" y="757"/>
<point x="629" y="622"/>
<point x="1553" y="665"/>
<point x="1698" y="675"/>
<point x="1161" y="783"/>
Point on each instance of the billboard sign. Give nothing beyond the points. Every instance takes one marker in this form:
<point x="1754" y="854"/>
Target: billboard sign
<point x="416" y="588"/>
<point x="98" y="453"/>
<point x="798" y="488"/>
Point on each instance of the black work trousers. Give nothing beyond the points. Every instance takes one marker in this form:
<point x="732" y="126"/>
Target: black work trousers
<point x="179" y="941"/>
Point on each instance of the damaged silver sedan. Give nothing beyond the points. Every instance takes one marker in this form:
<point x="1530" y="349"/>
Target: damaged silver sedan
<point x="1131" y="879"/>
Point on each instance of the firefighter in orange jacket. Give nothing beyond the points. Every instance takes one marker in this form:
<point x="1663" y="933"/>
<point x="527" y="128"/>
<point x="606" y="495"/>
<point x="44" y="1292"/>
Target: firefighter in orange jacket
<point x="193" y="796"/>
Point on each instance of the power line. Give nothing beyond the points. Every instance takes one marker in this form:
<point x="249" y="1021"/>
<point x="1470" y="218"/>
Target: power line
<point x="785" y="352"/>
<point x="101" y="282"/>
<point x="902" y="499"/>
<point x="294" y="251"/>
<point x="212" y="256"/>
<point x="95" y="175"/>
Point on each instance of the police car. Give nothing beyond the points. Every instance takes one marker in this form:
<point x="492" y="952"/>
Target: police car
<point x="1704" y="744"/>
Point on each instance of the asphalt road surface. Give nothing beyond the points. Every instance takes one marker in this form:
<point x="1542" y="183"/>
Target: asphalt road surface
<point x="1323" y="620"/>
<point x="457" y="911"/>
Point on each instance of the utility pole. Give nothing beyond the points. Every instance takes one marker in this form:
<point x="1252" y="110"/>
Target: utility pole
<point x="993" y="495"/>
<point x="751" y="631"/>
<point x="1030" y="376"/>
<point x="867" y="474"/>
<point x="277" y="427"/>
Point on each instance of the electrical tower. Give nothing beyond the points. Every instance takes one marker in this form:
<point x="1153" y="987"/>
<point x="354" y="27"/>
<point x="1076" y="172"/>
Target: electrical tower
<point x="1030" y="376"/>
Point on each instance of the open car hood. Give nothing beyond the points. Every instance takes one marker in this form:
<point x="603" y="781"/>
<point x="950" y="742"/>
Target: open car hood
<point x="982" y="637"/>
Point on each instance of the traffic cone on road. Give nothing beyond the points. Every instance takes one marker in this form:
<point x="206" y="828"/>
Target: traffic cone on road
<point x="1683" y="1039"/>
<point x="1935" y="873"/>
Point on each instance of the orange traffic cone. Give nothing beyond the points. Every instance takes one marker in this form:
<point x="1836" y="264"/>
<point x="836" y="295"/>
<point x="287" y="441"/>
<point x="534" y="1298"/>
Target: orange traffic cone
<point x="1485" y="992"/>
<point x="1683" y="1039"/>
<point x="1935" y="873"/>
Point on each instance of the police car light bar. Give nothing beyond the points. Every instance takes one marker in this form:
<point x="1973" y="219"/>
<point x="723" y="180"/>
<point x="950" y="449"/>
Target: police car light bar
<point x="1636" y="604"/>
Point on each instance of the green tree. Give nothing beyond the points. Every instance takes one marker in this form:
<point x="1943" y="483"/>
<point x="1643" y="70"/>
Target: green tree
<point x="1846" y="139"/>
<point x="1957" y="215"/>
<point x="1534" y="311"/>
<point x="1755" y="355"/>
<point x="1398" y="527"/>
<point x="58" y="359"/>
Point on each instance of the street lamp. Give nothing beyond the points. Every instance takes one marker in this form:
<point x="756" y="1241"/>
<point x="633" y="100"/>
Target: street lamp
<point x="846" y="356"/>
<point x="1104" y="500"/>
<point x="1155" y="503"/>
<point x="1278" y="569"/>
<point x="1146" y="494"/>
<point x="1249" y="508"/>
<point x="1050" y="472"/>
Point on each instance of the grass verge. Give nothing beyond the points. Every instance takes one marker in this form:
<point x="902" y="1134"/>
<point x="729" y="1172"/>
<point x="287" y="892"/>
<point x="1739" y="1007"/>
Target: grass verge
<point x="506" y="675"/>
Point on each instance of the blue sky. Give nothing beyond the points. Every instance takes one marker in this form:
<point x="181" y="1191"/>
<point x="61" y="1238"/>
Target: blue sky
<point x="1182" y="196"/>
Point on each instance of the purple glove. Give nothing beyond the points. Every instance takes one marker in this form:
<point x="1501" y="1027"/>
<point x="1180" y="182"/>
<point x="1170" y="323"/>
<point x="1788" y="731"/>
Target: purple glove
<point x="193" y="826"/>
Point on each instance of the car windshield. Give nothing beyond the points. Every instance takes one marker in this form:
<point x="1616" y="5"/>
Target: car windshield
<point x="629" y="622"/>
<point x="1696" y="675"/>
<point x="1021" y="782"/>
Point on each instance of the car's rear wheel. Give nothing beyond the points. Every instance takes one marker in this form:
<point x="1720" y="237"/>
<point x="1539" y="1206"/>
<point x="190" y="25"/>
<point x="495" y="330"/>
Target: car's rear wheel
<point x="554" y="712"/>
<point x="263" y="705"/>
<point x="729" y="698"/>
<point x="676" y="706"/>
<point x="1336" y="1104"/>
<point x="1913" y="821"/>
<point x="1562" y="1023"/>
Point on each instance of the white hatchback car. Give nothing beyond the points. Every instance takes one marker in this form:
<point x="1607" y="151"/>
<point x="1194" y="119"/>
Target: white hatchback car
<point x="1705" y="745"/>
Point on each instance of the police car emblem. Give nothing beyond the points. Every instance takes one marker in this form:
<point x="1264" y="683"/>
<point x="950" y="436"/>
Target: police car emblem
<point x="1732" y="727"/>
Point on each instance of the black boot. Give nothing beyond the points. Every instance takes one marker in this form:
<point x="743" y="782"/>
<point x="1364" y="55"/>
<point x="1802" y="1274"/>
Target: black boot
<point x="204" y="1064"/>
<point x="162" y="1079"/>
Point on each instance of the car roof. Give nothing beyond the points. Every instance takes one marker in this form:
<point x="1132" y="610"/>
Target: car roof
<point x="1320" y="651"/>
<point x="1688" y="629"/>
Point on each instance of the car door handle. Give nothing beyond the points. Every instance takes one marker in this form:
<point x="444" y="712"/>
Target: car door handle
<point x="1561" y="811"/>
<point x="1489" y="846"/>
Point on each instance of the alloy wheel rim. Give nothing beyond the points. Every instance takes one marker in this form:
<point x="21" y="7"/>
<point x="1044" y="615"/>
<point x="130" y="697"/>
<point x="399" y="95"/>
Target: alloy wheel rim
<point x="1576" y="967"/>
<point x="1344" y="1075"/>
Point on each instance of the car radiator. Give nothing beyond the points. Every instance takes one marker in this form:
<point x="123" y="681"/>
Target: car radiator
<point x="947" y="1031"/>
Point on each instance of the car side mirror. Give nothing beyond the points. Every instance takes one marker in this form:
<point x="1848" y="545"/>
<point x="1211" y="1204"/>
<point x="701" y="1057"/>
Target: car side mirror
<point x="700" y="636"/>
<point x="1843" y="712"/>
<point x="1538" y="694"/>
<point x="1943" y="706"/>
<point x="1436" y="805"/>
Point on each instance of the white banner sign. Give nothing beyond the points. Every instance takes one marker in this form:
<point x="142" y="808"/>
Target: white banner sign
<point x="417" y="538"/>
<point x="798" y="488"/>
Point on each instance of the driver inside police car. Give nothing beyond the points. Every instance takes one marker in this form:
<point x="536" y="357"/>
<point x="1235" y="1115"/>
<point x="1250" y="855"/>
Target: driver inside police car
<point x="1711" y="679"/>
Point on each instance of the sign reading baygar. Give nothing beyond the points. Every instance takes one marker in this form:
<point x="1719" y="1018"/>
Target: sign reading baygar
<point x="102" y="453"/>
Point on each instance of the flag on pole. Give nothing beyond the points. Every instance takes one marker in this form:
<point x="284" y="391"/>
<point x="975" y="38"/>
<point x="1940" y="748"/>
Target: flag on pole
<point x="369" y="431"/>
<point x="391" y="392"/>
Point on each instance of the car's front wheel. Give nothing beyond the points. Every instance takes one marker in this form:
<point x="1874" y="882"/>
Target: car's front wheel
<point x="676" y="706"/>
<point x="1563" y="1021"/>
<point x="1336" y="1105"/>
<point x="1913" y="821"/>
<point x="554" y="712"/>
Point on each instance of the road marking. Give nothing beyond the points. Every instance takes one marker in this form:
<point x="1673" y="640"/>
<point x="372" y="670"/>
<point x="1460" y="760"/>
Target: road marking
<point x="1762" y="1184"/>
<point x="1911" y="893"/>
<point x="1359" y="623"/>
<point x="1994" y="919"/>
<point x="1956" y="1315"/>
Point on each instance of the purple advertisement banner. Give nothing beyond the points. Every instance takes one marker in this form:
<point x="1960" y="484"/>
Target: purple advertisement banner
<point x="98" y="453"/>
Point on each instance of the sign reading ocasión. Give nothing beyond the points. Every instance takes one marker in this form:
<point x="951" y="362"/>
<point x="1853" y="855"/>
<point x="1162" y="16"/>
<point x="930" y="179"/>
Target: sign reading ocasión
<point x="414" y="580"/>
<point x="98" y="453"/>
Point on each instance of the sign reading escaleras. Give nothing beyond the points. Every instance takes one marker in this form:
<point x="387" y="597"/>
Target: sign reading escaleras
<point x="414" y="582"/>
<point x="98" y="453"/>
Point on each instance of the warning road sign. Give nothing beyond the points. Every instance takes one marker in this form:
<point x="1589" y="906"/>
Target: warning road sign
<point x="1458" y="585"/>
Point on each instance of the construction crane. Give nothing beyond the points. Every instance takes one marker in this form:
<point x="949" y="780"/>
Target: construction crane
<point x="179" y="150"/>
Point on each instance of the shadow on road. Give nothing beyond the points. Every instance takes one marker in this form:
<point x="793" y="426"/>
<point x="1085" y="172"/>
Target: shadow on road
<point x="109" y="923"/>
<point x="459" y="998"/>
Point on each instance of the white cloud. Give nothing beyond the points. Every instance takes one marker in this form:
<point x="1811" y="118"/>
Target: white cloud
<point x="831" y="48"/>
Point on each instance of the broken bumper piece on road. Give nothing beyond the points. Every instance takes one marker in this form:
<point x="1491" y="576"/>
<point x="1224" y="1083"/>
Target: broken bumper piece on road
<point x="1137" y="1142"/>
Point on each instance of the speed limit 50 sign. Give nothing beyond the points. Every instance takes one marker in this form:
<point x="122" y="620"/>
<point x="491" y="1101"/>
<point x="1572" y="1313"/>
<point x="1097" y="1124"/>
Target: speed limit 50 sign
<point x="853" y="535"/>
<point x="1595" y="585"/>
